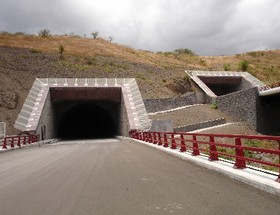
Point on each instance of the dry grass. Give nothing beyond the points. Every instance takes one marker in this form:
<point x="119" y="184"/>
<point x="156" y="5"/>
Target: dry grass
<point x="265" y="65"/>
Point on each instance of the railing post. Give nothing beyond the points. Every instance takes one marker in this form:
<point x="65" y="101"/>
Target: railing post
<point x="183" y="144"/>
<point x="24" y="138"/>
<point x="4" y="146"/>
<point x="150" y="138"/>
<point x="24" y="143"/>
<point x="18" y="141"/>
<point x="155" y="138"/>
<point x="195" y="146"/>
<point x="173" y="142"/>
<point x="12" y="144"/>
<point x="278" y="179"/>
<point x="145" y="136"/>
<point x="165" y="141"/>
<point x="213" y="150"/>
<point x="239" y="159"/>
<point x="159" y="139"/>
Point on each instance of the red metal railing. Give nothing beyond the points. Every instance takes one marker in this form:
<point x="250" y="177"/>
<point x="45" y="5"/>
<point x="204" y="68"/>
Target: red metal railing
<point x="18" y="140"/>
<point x="227" y="146"/>
<point x="267" y="87"/>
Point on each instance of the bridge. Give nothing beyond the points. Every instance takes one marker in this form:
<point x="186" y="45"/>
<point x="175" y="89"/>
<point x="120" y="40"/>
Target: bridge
<point x="141" y="171"/>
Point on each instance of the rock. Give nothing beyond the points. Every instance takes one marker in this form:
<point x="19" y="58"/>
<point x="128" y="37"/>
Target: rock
<point x="8" y="99"/>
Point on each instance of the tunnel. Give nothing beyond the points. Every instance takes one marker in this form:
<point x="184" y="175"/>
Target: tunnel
<point x="86" y="113"/>
<point x="269" y="115"/>
<point x="225" y="85"/>
<point x="82" y="108"/>
<point x="86" y="121"/>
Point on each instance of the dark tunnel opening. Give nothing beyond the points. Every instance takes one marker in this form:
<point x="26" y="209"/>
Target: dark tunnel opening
<point x="87" y="121"/>
<point x="269" y="115"/>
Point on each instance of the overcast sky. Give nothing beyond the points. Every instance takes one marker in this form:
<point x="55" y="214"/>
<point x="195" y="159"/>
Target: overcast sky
<point x="208" y="27"/>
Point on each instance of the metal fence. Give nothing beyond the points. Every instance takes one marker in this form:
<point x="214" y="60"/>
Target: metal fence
<point x="241" y="149"/>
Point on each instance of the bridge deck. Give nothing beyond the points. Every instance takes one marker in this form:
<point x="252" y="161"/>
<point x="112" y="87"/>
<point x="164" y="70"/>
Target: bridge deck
<point x="119" y="177"/>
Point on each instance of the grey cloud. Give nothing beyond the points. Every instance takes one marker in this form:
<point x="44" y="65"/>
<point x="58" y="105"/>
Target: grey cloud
<point x="208" y="27"/>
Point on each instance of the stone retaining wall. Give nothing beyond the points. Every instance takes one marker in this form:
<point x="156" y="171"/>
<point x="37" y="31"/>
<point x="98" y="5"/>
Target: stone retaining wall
<point x="240" y="105"/>
<point x="155" y="105"/>
<point x="200" y="125"/>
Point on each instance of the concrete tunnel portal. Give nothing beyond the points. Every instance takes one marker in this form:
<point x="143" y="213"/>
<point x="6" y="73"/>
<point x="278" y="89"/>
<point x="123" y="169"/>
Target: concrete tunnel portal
<point x="83" y="108"/>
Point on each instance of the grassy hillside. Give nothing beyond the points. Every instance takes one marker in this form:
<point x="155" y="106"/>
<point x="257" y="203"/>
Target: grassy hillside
<point x="25" y="57"/>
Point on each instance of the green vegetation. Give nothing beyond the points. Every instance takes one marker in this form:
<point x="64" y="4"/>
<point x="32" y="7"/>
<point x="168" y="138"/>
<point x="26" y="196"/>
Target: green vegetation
<point x="61" y="51"/>
<point x="243" y="65"/>
<point x="226" y="67"/>
<point x="214" y="105"/>
<point x="95" y="34"/>
<point x="184" y="52"/>
<point x="44" y="33"/>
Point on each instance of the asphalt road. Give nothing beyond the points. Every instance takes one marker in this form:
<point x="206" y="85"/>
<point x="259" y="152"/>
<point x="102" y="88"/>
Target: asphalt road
<point x="118" y="177"/>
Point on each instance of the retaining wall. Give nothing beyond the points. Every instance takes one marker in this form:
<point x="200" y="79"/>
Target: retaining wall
<point x="155" y="105"/>
<point x="200" y="125"/>
<point x="241" y="105"/>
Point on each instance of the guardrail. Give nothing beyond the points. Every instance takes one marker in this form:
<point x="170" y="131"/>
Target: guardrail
<point x="242" y="149"/>
<point x="18" y="140"/>
<point x="271" y="86"/>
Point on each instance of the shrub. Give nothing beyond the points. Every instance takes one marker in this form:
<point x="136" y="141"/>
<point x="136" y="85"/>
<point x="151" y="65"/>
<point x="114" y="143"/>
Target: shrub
<point x="20" y="33"/>
<point x="44" y="33"/>
<point x="214" y="105"/>
<point x="226" y="66"/>
<point x="243" y="65"/>
<point x="61" y="51"/>
<point x="184" y="51"/>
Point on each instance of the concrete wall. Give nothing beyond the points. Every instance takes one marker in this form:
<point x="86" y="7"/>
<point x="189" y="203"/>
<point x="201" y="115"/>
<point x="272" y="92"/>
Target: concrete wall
<point x="155" y="105"/>
<point x="124" y="123"/>
<point x="241" y="105"/>
<point x="162" y="126"/>
<point x="45" y="126"/>
<point x="244" y="85"/>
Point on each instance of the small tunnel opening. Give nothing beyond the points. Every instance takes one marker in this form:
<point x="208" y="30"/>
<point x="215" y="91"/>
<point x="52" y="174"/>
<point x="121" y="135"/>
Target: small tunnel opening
<point x="223" y="85"/>
<point x="86" y="121"/>
<point x="269" y="116"/>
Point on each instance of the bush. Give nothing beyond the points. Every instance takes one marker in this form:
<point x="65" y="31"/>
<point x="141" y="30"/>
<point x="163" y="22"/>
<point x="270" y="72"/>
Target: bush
<point x="214" y="105"/>
<point x="243" y="65"/>
<point x="61" y="51"/>
<point x="44" y="33"/>
<point x="226" y="66"/>
<point x="184" y="51"/>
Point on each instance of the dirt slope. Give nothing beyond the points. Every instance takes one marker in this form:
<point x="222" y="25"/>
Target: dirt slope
<point x="25" y="57"/>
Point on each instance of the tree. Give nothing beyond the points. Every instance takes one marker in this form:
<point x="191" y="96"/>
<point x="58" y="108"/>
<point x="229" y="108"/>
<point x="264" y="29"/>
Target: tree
<point x="110" y="39"/>
<point x="95" y="34"/>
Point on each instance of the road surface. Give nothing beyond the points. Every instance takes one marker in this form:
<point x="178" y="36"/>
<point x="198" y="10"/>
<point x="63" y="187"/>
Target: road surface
<point x="118" y="177"/>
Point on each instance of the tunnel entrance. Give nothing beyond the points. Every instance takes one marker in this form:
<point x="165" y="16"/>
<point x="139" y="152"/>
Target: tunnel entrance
<point x="86" y="113"/>
<point x="86" y="121"/>
<point x="78" y="108"/>
<point x="223" y="85"/>
<point x="269" y="116"/>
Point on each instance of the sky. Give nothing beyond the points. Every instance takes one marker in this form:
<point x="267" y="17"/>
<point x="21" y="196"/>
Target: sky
<point x="207" y="27"/>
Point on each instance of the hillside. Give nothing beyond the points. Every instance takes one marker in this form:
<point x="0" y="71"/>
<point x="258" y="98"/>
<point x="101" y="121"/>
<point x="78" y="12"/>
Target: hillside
<point x="25" y="57"/>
